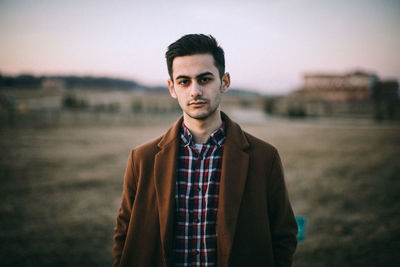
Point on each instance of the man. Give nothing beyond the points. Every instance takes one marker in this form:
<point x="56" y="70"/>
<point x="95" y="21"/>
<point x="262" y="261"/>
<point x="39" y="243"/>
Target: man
<point x="205" y="193"/>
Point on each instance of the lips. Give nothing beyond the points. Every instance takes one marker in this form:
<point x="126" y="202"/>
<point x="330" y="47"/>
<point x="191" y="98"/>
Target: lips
<point x="197" y="103"/>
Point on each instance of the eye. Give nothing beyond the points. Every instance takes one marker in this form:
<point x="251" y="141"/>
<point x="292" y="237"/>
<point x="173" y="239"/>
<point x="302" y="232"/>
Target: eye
<point x="204" y="80"/>
<point x="183" y="82"/>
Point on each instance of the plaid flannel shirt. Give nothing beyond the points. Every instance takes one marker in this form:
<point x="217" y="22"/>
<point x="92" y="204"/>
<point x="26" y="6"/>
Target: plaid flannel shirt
<point x="196" y="198"/>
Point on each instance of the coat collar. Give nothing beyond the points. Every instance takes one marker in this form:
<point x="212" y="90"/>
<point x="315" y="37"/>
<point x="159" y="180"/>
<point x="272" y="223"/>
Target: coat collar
<point x="233" y="178"/>
<point x="234" y="132"/>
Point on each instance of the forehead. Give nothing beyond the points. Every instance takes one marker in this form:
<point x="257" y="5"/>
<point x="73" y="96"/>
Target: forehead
<point x="193" y="65"/>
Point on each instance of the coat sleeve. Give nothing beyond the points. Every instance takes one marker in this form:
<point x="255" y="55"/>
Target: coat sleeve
<point x="282" y="221"/>
<point x="124" y="213"/>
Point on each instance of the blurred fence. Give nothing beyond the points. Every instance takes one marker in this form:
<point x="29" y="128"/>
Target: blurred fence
<point x="59" y="118"/>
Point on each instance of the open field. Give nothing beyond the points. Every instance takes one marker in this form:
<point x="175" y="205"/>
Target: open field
<point x="60" y="189"/>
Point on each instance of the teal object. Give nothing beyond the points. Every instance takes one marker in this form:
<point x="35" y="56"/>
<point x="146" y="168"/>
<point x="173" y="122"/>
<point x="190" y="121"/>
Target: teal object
<point x="301" y="225"/>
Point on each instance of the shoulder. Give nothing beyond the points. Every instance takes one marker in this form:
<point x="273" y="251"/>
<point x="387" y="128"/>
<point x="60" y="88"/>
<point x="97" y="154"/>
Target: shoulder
<point x="258" y="145"/>
<point x="246" y="141"/>
<point x="148" y="149"/>
<point x="262" y="151"/>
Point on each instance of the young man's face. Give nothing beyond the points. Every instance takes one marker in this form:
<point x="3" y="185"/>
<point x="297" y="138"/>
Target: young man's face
<point x="197" y="85"/>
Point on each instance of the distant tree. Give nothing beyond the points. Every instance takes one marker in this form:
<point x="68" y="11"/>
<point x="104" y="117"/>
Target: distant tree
<point x="8" y="103"/>
<point x="100" y="107"/>
<point x="269" y="105"/>
<point x="296" y="111"/>
<point x="98" y="82"/>
<point x="113" y="107"/>
<point x="137" y="106"/>
<point x="25" y="81"/>
<point x="70" y="101"/>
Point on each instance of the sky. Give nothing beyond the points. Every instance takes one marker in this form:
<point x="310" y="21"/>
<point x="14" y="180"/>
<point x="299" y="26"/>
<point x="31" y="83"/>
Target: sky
<point x="269" y="45"/>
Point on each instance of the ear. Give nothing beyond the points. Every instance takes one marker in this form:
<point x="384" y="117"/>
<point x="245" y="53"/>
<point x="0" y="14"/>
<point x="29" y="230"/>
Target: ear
<point x="226" y="82"/>
<point x="171" y="88"/>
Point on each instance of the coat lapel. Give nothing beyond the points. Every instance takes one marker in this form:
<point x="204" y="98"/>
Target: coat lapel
<point x="233" y="179"/>
<point x="165" y="178"/>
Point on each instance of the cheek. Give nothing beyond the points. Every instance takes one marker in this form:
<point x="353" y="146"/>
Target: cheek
<point x="182" y="99"/>
<point x="216" y="94"/>
<point x="217" y="98"/>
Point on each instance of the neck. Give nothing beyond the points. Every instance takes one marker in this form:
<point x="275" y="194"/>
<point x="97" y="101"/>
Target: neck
<point x="202" y="129"/>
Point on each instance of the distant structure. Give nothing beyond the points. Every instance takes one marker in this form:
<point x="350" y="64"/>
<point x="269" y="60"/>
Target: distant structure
<point x="385" y="91"/>
<point x="51" y="83"/>
<point x="356" y="93"/>
<point x="356" y="86"/>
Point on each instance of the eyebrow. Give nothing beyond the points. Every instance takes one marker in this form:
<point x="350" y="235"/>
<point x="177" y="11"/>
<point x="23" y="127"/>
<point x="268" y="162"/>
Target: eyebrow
<point x="197" y="77"/>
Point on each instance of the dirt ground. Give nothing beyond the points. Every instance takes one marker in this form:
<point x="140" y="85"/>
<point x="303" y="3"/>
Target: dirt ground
<point x="60" y="189"/>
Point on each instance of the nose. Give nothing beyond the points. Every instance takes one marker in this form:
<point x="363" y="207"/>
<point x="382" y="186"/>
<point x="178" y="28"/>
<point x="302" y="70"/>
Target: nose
<point x="196" y="90"/>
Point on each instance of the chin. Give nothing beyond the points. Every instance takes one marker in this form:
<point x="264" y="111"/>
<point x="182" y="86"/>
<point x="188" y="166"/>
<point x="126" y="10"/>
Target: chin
<point x="201" y="115"/>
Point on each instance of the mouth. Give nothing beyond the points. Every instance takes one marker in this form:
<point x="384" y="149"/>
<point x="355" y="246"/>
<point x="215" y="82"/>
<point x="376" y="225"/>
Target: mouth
<point x="197" y="103"/>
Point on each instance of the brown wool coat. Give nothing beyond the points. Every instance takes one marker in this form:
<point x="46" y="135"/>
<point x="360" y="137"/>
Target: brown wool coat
<point x="255" y="227"/>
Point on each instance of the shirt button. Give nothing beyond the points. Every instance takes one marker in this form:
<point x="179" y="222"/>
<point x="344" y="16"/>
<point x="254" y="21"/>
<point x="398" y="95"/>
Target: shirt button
<point x="198" y="189"/>
<point x="197" y="252"/>
<point x="196" y="220"/>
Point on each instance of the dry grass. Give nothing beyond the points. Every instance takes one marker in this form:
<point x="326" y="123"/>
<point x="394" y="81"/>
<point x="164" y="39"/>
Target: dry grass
<point x="345" y="180"/>
<point x="61" y="189"/>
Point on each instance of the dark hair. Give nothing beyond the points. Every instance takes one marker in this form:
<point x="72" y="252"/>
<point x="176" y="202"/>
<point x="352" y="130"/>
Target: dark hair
<point x="192" y="44"/>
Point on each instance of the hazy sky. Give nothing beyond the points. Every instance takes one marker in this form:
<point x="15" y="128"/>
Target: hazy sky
<point x="269" y="45"/>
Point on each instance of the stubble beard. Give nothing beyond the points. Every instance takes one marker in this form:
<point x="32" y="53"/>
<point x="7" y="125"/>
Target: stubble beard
<point x="208" y="112"/>
<point x="204" y="115"/>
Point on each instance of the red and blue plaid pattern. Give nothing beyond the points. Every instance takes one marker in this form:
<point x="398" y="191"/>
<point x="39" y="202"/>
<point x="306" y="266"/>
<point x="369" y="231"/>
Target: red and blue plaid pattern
<point x="196" y="198"/>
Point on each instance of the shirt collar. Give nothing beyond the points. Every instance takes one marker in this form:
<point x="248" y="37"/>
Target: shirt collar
<point x="216" y="138"/>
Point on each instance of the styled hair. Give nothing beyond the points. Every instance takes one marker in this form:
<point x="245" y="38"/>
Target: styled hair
<point x="192" y="44"/>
